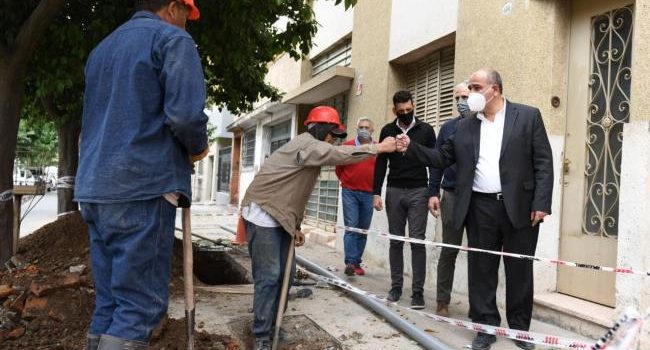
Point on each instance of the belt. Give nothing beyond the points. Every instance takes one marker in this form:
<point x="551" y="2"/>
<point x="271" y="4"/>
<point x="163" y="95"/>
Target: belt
<point x="449" y="189"/>
<point x="496" y="196"/>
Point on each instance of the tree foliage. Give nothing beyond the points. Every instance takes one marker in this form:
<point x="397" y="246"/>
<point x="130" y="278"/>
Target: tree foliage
<point x="37" y="143"/>
<point x="236" y="39"/>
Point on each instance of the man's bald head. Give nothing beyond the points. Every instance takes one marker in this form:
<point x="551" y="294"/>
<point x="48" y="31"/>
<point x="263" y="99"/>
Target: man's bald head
<point x="486" y="76"/>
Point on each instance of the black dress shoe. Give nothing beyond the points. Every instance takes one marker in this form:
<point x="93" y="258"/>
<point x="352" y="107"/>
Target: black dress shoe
<point x="483" y="341"/>
<point x="524" y="345"/>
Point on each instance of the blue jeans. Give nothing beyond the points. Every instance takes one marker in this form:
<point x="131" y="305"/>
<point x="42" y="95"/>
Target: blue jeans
<point x="130" y="250"/>
<point x="268" y="248"/>
<point x="357" y="212"/>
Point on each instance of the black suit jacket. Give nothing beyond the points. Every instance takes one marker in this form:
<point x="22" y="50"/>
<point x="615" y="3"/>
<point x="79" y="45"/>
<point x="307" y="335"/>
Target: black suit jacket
<point x="526" y="163"/>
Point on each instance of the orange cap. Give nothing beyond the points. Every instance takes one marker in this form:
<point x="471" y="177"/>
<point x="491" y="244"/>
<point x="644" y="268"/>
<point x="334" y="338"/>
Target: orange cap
<point x="194" y="11"/>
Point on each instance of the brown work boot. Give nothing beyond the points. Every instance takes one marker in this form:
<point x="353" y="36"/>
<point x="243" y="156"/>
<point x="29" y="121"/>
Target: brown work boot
<point x="442" y="309"/>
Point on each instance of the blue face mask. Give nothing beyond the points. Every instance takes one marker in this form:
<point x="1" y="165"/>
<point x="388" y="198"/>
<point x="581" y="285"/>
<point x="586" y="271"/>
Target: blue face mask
<point x="364" y="134"/>
<point x="463" y="107"/>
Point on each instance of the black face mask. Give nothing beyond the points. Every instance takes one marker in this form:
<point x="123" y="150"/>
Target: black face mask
<point x="406" y="118"/>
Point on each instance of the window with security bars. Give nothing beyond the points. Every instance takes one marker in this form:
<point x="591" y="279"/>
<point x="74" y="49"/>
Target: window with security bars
<point x="248" y="149"/>
<point x="339" y="55"/>
<point x="431" y="81"/>
<point x="280" y="134"/>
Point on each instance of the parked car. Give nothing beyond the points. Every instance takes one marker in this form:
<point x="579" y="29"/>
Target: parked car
<point x="23" y="177"/>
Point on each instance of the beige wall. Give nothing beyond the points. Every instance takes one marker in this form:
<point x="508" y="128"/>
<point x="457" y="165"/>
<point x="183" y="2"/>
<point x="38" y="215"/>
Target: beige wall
<point x="634" y="291"/>
<point x="640" y="62"/>
<point x="417" y="23"/>
<point x="370" y="44"/>
<point x="334" y="23"/>
<point x="526" y="45"/>
<point x="284" y="73"/>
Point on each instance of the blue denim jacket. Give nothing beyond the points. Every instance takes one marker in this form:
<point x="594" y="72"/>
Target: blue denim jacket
<point x="143" y="113"/>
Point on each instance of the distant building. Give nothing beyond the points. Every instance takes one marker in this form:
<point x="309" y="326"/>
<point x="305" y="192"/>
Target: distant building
<point x="211" y="179"/>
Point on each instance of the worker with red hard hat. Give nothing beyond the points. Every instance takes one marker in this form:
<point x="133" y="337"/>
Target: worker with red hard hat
<point x="275" y="202"/>
<point x="327" y="115"/>
<point x="193" y="11"/>
<point x="143" y="126"/>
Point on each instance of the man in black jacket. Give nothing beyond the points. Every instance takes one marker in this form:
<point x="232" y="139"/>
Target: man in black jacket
<point x="504" y="174"/>
<point x="408" y="194"/>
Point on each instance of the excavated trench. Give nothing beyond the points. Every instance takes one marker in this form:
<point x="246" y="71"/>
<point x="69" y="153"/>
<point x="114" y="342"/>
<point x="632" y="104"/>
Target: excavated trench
<point x="215" y="266"/>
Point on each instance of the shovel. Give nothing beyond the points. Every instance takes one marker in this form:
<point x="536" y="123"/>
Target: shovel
<point x="283" y="294"/>
<point x="188" y="278"/>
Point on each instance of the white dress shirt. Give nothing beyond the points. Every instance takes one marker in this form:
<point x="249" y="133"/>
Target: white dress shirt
<point x="487" y="178"/>
<point x="405" y="131"/>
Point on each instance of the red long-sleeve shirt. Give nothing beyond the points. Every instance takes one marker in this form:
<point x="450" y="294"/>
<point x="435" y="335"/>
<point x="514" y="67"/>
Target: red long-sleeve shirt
<point x="357" y="176"/>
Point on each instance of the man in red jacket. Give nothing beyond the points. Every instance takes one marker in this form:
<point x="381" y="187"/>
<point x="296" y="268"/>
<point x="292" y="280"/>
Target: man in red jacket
<point x="357" y="181"/>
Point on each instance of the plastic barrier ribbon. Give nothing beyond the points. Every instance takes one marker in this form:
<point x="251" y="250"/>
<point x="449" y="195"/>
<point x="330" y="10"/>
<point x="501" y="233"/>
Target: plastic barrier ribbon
<point x="623" y="335"/>
<point x="7" y="196"/>
<point x="66" y="182"/>
<point x="536" y="338"/>
<point x="618" y="270"/>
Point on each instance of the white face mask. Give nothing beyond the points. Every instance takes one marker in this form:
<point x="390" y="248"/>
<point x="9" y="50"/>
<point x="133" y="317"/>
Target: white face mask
<point x="476" y="102"/>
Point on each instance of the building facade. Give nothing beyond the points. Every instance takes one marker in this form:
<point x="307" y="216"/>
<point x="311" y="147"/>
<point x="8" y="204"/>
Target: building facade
<point x="581" y="62"/>
<point x="211" y="178"/>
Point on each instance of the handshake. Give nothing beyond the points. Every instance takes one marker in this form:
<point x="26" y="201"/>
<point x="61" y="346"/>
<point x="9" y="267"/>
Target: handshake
<point x="400" y="143"/>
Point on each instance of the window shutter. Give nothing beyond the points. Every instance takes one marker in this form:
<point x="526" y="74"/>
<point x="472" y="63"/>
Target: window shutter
<point x="339" y="55"/>
<point x="431" y="81"/>
<point x="446" y="102"/>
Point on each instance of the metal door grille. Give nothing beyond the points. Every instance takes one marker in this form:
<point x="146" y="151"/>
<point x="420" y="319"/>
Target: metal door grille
<point x="609" y="108"/>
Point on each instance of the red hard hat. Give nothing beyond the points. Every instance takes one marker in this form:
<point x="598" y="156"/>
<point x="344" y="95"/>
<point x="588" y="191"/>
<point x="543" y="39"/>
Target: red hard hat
<point x="329" y="115"/>
<point x="194" y="13"/>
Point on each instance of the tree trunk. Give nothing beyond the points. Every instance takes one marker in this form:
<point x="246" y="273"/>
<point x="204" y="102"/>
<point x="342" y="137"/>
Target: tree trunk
<point x="11" y="94"/>
<point x="13" y="66"/>
<point x="68" y="162"/>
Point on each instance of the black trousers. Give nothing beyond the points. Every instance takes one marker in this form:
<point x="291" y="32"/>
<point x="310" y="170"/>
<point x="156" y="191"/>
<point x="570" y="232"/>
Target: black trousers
<point x="488" y="227"/>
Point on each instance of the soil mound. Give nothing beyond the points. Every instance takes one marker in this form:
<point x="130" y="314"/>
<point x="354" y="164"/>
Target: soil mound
<point x="47" y="296"/>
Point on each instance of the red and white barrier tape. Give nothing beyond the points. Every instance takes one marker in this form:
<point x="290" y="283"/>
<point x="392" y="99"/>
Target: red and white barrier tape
<point x="618" y="270"/>
<point x="623" y="335"/>
<point x="531" y="337"/>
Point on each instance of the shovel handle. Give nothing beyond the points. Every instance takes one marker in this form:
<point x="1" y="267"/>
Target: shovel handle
<point x="188" y="275"/>
<point x="283" y="293"/>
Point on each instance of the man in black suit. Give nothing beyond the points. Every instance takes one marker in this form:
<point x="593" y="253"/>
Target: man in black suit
<point x="504" y="168"/>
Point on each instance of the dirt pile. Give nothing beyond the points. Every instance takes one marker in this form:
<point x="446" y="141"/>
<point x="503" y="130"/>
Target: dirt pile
<point x="47" y="295"/>
<point x="171" y="336"/>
